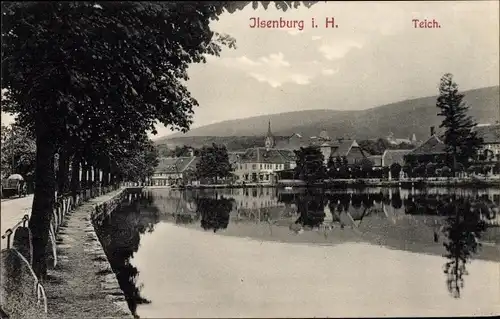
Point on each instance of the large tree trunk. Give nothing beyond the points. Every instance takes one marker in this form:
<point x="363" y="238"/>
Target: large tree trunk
<point x="85" y="169"/>
<point x="75" y="176"/>
<point x="43" y="202"/>
<point x="105" y="177"/>
<point x="96" y="176"/>
<point x="63" y="172"/>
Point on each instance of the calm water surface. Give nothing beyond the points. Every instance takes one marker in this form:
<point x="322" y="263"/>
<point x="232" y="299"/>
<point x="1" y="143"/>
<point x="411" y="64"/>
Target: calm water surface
<point x="268" y="252"/>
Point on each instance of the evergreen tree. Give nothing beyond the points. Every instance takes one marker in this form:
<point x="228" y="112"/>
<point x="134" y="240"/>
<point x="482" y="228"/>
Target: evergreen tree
<point x="461" y="141"/>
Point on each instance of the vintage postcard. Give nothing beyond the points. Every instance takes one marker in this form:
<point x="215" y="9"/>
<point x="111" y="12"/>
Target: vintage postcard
<point x="250" y="159"/>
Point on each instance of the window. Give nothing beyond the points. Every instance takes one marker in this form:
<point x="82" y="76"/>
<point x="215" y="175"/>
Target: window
<point x="254" y="166"/>
<point x="260" y="166"/>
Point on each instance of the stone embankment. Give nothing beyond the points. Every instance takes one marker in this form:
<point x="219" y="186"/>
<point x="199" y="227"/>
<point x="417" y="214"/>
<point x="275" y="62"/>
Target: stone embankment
<point x="83" y="285"/>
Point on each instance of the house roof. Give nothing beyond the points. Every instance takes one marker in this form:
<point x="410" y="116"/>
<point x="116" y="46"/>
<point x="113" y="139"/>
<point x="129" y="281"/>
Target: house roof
<point x="376" y="159"/>
<point x="432" y="146"/>
<point x="343" y="148"/>
<point x="262" y="155"/>
<point x="234" y="156"/>
<point x="175" y="165"/>
<point x="490" y="133"/>
<point x="394" y="156"/>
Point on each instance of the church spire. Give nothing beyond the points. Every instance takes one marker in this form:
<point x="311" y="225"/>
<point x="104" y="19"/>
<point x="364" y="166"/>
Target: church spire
<point x="269" y="142"/>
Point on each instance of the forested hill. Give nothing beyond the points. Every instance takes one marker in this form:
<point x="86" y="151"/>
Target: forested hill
<point x="402" y="118"/>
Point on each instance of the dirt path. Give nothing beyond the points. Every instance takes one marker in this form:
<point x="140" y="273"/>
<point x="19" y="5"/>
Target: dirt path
<point x="82" y="284"/>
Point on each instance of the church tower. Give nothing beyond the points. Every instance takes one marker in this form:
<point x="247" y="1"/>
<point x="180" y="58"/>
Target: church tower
<point x="269" y="142"/>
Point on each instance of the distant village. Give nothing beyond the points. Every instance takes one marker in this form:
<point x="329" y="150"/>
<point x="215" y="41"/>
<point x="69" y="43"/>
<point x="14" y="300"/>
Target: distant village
<point x="275" y="161"/>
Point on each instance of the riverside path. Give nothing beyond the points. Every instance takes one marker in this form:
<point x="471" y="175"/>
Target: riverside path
<point x="12" y="211"/>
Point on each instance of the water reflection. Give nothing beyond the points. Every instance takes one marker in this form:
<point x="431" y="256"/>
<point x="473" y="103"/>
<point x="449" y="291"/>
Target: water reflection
<point x="392" y="215"/>
<point x="451" y="223"/>
<point x="463" y="230"/>
<point x="120" y="236"/>
<point x="311" y="207"/>
<point x="214" y="212"/>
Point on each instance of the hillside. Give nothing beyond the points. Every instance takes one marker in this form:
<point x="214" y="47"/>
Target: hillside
<point x="402" y="118"/>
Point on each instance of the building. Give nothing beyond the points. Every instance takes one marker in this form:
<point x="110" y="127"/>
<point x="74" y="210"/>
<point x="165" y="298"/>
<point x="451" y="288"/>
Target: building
<point x="490" y="149"/>
<point x="294" y="142"/>
<point x="260" y="164"/>
<point x="348" y="149"/>
<point x="432" y="150"/>
<point x="376" y="160"/>
<point x="269" y="142"/>
<point x="174" y="170"/>
<point x="394" y="157"/>
<point x="397" y="141"/>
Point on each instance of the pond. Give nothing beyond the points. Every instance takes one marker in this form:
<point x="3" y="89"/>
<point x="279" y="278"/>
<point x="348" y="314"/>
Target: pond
<point x="267" y="252"/>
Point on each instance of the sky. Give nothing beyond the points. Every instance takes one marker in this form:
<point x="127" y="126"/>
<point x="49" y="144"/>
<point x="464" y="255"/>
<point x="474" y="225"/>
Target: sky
<point x="375" y="56"/>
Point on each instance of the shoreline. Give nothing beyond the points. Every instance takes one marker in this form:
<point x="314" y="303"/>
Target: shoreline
<point x="83" y="268"/>
<point x="353" y="183"/>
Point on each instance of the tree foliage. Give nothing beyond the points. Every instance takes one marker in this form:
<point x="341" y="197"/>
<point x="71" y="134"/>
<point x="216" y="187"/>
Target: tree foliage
<point x="214" y="162"/>
<point x="90" y="77"/>
<point x="461" y="141"/>
<point x="18" y="152"/>
<point x="310" y="166"/>
<point x="139" y="162"/>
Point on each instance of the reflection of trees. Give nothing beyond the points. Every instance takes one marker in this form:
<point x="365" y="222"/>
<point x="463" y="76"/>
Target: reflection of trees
<point x="425" y="204"/>
<point x="311" y="208"/>
<point x="120" y="236"/>
<point x="356" y="200"/>
<point x="396" y="201"/>
<point x="214" y="212"/>
<point x="463" y="230"/>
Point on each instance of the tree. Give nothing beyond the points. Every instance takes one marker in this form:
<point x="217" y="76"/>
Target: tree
<point x="18" y="152"/>
<point x="310" y="167"/>
<point x="139" y="163"/>
<point x="85" y="75"/>
<point x="461" y="141"/>
<point x="214" y="163"/>
<point x="395" y="170"/>
<point x="366" y="167"/>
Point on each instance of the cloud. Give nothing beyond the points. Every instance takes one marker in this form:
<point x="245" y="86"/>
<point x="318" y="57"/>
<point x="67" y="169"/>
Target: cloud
<point x="263" y="78"/>
<point x="338" y="50"/>
<point x="275" y="60"/>
<point x="300" y="79"/>
<point x="246" y="61"/>
<point x="328" y="71"/>
<point x="294" y="32"/>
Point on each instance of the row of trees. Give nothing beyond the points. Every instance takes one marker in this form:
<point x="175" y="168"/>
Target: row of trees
<point x="310" y="167"/>
<point x="89" y="79"/>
